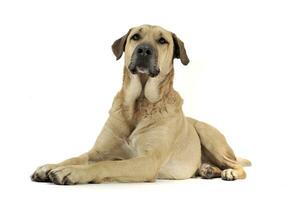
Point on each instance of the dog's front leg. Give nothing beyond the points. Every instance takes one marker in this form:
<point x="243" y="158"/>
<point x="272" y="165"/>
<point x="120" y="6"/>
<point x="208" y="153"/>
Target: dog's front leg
<point x="109" y="145"/>
<point x="152" y="147"/>
<point x="132" y="170"/>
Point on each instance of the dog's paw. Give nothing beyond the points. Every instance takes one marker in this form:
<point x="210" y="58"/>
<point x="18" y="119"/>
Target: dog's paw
<point x="67" y="175"/>
<point x="229" y="175"/>
<point x="206" y="171"/>
<point x="41" y="173"/>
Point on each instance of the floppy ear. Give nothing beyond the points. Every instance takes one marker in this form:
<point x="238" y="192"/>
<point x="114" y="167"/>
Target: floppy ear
<point x="179" y="50"/>
<point x="119" y="45"/>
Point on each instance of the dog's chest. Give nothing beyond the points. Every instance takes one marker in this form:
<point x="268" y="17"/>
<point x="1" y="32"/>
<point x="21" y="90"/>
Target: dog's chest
<point x="145" y="109"/>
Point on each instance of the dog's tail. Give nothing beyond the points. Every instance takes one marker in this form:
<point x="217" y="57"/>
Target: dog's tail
<point x="244" y="162"/>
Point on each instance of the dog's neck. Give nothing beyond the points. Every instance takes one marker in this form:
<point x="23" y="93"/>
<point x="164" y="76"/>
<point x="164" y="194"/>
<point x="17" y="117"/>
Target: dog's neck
<point x="144" y="87"/>
<point x="143" y="96"/>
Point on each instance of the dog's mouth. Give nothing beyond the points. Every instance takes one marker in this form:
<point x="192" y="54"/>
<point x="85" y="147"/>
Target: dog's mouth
<point x="142" y="70"/>
<point x="151" y="71"/>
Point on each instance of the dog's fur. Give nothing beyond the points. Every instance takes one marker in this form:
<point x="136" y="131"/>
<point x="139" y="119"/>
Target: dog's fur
<point x="147" y="135"/>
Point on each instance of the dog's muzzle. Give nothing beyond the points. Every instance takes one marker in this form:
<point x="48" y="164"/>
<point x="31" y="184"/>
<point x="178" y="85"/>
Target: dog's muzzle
<point x="144" y="60"/>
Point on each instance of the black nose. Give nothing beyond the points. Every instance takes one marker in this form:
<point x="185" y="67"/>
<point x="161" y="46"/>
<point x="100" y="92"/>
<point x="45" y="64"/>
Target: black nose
<point x="144" y="50"/>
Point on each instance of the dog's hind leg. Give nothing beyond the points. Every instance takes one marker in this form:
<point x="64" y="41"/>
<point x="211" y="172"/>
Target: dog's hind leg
<point x="217" y="151"/>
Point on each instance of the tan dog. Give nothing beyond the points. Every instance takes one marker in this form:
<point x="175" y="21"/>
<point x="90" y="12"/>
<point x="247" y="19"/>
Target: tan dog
<point x="147" y="135"/>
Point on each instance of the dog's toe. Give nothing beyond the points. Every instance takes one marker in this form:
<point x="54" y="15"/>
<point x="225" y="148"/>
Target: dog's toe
<point x="65" y="176"/>
<point x="229" y="175"/>
<point x="41" y="173"/>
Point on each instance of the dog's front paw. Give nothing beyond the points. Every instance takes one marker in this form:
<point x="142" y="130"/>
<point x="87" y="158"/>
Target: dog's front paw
<point x="67" y="175"/>
<point x="41" y="173"/>
<point x="229" y="175"/>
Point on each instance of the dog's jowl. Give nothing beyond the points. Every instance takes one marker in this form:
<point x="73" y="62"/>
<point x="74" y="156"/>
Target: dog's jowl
<point x="147" y="136"/>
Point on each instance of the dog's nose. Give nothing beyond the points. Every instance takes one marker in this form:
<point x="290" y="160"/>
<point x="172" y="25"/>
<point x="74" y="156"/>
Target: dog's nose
<point x="144" y="50"/>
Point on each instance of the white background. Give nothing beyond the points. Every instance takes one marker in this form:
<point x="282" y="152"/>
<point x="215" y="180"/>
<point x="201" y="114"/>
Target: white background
<point x="58" y="77"/>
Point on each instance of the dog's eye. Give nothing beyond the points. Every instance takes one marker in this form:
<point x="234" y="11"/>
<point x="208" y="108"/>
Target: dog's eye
<point x="162" y="41"/>
<point x="136" y="37"/>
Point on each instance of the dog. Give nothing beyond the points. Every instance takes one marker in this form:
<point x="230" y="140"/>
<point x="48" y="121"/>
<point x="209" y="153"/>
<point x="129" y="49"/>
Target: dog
<point x="147" y="135"/>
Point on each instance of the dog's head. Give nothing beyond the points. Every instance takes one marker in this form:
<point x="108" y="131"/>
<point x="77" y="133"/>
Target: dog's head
<point x="150" y="50"/>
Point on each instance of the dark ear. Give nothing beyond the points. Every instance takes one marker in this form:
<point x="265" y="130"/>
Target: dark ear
<point x="179" y="50"/>
<point x="119" y="45"/>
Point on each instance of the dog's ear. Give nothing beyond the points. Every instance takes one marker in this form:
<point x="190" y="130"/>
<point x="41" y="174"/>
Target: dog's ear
<point x="179" y="50"/>
<point x="119" y="45"/>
